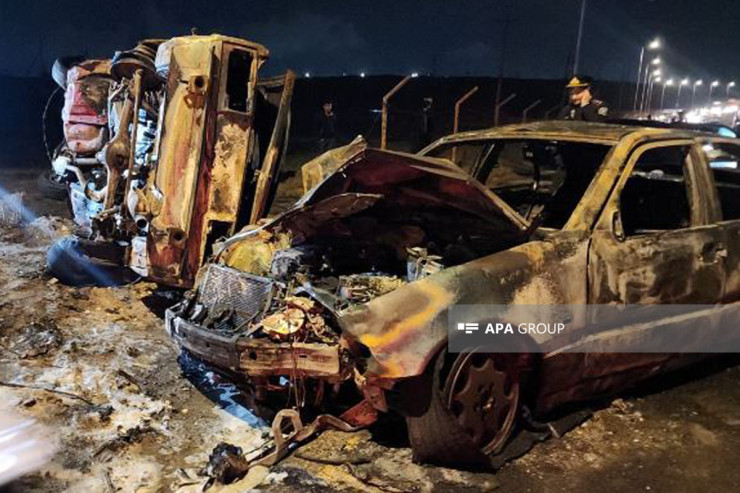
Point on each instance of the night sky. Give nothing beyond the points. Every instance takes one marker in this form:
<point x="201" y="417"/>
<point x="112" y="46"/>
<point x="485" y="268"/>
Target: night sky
<point x="329" y="37"/>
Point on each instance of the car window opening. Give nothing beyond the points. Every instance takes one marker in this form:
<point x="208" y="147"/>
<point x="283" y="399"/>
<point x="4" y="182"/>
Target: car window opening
<point x="656" y="196"/>
<point x="237" y="78"/>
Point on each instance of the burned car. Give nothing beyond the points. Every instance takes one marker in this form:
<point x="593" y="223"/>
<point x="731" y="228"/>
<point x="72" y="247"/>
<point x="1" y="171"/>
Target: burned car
<point x="196" y="137"/>
<point x="353" y="285"/>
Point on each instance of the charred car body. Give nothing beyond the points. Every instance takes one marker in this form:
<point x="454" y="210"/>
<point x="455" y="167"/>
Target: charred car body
<point x="195" y="139"/>
<point x="355" y="282"/>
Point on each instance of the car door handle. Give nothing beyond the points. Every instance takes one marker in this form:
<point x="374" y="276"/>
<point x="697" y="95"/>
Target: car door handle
<point x="713" y="253"/>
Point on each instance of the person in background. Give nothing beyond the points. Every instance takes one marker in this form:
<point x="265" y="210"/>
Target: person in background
<point x="582" y="105"/>
<point x="327" y="126"/>
<point x="426" y="127"/>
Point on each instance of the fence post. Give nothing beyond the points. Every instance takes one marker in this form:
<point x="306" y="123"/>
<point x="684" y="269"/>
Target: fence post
<point x="384" y="120"/>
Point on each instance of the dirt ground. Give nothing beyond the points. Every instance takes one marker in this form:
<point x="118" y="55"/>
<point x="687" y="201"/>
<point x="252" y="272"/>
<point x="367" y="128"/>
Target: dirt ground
<point x="96" y="367"/>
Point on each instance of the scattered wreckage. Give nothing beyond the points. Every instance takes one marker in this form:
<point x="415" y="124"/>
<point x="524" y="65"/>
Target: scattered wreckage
<point x="352" y="286"/>
<point x="181" y="139"/>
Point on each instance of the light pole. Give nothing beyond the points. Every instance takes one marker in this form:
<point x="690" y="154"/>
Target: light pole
<point x="667" y="83"/>
<point x="653" y="45"/>
<point x="730" y="85"/>
<point x="711" y="88"/>
<point x="684" y="82"/>
<point x="654" y="78"/>
<point x="655" y="62"/>
<point x="693" y="93"/>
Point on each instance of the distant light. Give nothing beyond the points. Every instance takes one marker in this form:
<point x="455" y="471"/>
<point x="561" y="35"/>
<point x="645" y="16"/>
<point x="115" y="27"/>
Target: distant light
<point x="699" y="82"/>
<point x="307" y="75"/>
<point x="656" y="73"/>
<point x="654" y="44"/>
<point x="685" y="82"/>
<point x="415" y="74"/>
<point x="669" y="82"/>
<point x="362" y="74"/>
<point x="715" y="83"/>
<point x="656" y="61"/>
<point x="658" y="79"/>
<point x="731" y="84"/>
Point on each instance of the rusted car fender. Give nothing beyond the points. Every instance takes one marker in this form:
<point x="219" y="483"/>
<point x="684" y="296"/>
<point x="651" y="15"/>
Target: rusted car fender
<point x="404" y="329"/>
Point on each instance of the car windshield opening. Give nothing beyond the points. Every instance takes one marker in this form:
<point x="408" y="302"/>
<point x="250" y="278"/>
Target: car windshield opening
<point x="541" y="178"/>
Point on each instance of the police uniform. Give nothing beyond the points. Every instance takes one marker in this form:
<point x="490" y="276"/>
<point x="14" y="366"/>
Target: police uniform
<point x="594" y="111"/>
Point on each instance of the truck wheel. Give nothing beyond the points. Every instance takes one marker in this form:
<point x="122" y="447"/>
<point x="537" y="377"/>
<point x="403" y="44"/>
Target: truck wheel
<point x="472" y="413"/>
<point x="71" y="260"/>
<point x="52" y="185"/>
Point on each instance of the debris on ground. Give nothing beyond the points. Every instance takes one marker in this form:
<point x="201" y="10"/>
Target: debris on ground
<point x="105" y="378"/>
<point x="11" y="209"/>
<point x="227" y="463"/>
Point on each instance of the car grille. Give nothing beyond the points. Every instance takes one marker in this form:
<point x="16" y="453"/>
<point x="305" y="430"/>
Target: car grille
<point x="226" y="288"/>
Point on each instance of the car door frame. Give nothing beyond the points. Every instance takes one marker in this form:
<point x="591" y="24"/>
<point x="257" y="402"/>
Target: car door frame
<point x="730" y="227"/>
<point x="609" y="228"/>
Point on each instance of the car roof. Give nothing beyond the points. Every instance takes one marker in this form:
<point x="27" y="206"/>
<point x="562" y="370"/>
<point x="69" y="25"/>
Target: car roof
<point x="607" y="133"/>
<point x="709" y="127"/>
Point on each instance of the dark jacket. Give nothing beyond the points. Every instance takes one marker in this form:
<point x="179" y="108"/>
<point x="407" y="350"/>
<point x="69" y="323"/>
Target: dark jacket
<point x="595" y="111"/>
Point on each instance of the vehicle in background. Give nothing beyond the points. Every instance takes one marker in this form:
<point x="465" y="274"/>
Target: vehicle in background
<point x="352" y="287"/>
<point x="196" y="138"/>
<point x="84" y="123"/>
<point x="713" y="128"/>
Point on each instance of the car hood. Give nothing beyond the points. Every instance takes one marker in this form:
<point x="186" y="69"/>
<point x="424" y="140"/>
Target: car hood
<point x="359" y="177"/>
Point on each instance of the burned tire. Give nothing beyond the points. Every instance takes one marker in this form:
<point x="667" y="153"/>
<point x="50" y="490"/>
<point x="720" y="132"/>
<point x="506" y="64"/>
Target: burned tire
<point x="51" y="185"/>
<point x="472" y="413"/>
<point x="77" y="262"/>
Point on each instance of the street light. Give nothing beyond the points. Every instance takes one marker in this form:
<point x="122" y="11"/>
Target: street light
<point x="655" y="62"/>
<point x="652" y="46"/>
<point x="711" y="88"/>
<point x="684" y="82"/>
<point x="729" y="86"/>
<point x="654" y="79"/>
<point x="667" y="83"/>
<point x="693" y="93"/>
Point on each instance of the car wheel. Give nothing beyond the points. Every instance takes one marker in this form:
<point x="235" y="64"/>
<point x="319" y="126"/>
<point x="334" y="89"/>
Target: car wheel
<point x="472" y="413"/>
<point x="51" y="185"/>
<point x="74" y="263"/>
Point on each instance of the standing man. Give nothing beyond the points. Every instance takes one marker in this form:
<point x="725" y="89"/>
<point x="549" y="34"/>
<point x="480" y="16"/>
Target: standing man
<point x="426" y="127"/>
<point x="582" y="105"/>
<point x="327" y="126"/>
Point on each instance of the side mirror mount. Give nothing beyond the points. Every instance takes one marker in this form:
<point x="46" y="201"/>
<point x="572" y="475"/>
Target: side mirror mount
<point x="617" y="228"/>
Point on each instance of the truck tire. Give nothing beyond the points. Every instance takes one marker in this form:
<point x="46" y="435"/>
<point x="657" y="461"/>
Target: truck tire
<point x="72" y="261"/>
<point x="51" y="186"/>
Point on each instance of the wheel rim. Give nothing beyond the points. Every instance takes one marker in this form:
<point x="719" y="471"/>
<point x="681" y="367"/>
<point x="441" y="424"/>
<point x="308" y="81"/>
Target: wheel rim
<point x="483" y="394"/>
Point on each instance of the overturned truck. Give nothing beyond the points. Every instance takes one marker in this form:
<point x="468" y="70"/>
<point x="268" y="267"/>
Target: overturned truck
<point x="194" y="138"/>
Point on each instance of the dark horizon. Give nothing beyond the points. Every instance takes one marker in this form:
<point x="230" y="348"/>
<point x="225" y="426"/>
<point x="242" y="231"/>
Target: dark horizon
<point x="331" y="37"/>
